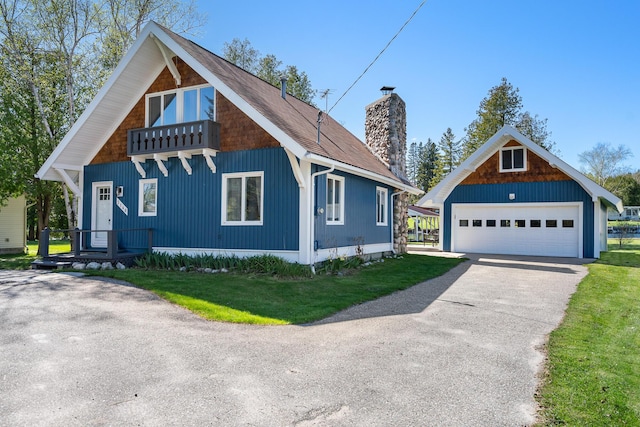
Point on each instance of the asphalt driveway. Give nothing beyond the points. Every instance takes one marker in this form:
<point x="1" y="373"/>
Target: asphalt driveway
<point x="458" y="350"/>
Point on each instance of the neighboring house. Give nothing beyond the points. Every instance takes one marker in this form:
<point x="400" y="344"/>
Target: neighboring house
<point x="13" y="226"/>
<point x="513" y="197"/>
<point x="629" y="213"/>
<point x="216" y="160"/>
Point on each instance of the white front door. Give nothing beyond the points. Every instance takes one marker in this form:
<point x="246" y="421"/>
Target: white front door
<point x="102" y="212"/>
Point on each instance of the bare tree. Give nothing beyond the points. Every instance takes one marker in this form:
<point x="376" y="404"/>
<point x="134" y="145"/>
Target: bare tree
<point x="604" y="161"/>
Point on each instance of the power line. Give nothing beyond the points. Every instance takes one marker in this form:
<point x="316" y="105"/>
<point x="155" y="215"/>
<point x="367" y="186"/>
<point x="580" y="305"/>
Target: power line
<point x="379" y="55"/>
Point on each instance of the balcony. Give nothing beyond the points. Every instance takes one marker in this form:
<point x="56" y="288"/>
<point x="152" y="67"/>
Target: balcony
<point x="172" y="139"/>
<point x="179" y="140"/>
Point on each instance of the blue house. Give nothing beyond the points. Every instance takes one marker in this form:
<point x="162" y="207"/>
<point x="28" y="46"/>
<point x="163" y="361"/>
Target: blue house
<point x="514" y="197"/>
<point x="218" y="161"/>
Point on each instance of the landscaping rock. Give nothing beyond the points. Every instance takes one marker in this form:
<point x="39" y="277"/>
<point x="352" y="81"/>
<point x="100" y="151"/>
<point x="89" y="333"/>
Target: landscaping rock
<point x="120" y="266"/>
<point x="93" y="266"/>
<point x="78" y="266"/>
<point x="208" y="270"/>
<point x="224" y="270"/>
<point x="107" y="266"/>
<point x="183" y="269"/>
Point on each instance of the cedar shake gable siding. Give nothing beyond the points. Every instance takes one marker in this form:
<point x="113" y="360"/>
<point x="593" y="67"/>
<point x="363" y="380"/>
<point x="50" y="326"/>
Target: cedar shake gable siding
<point x="538" y="170"/>
<point x="237" y="130"/>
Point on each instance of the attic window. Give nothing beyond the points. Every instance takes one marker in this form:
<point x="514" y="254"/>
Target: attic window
<point x="513" y="159"/>
<point x="182" y="105"/>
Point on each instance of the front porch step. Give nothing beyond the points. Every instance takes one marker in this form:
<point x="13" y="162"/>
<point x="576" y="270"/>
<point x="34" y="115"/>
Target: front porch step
<point x="42" y="264"/>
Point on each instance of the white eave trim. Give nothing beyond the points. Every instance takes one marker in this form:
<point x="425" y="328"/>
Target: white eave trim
<point x="363" y="173"/>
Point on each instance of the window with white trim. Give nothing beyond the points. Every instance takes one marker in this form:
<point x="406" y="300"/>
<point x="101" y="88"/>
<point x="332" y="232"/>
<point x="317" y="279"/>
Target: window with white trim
<point x="335" y="200"/>
<point x="242" y="198"/>
<point x="381" y="205"/>
<point x="148" y="197"/>
<point x="513" y="159"/>
<point x="181" y="105"/>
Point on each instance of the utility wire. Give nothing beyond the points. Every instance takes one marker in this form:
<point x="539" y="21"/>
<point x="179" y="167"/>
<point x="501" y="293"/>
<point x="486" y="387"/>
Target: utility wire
<point x="379" y="55"/>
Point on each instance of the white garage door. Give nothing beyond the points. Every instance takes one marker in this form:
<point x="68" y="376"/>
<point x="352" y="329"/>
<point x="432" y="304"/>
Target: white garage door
<point x="524" y="229"/>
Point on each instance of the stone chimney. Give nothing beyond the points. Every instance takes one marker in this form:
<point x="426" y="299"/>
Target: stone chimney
<point x="386" y="137"/>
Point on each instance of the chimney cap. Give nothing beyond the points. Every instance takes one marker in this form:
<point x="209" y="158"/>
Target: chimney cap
<point x="386" y="90"/>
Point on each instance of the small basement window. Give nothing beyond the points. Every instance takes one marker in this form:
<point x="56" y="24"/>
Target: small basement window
<point x="513" y="159"/>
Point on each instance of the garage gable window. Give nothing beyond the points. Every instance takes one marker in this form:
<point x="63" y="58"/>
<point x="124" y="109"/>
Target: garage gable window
<point x="513" y="159"/>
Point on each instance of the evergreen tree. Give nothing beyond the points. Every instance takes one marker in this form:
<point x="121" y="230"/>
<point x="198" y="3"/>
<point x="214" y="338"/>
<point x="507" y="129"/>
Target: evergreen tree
<point x="242" y="54"/>
<point x="412" y="162"/>
<point x="427" y="166"/>
<point x="503" y="106"/>
<point x="450" y="152"/>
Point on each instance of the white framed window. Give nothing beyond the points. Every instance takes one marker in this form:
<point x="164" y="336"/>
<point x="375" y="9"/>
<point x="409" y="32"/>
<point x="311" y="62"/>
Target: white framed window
<point x="513" y="159"/>
<point x="242" y="198"/>
<point x="335" y="200"/>
<point x="148" y="197"/>
<point x="381" y="205"/>
<point x="181" y="105"/>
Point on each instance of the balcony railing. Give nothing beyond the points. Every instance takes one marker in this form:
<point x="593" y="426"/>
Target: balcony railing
<point x="174" y="138"/>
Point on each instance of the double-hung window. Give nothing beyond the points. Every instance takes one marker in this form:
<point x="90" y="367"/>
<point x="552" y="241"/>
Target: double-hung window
<point x="513" y="159"/>
<point x="242" y="198"/>
<point x="381" y="206"/>
<point x="182" y="105"/>
<point x="335" y="200"/>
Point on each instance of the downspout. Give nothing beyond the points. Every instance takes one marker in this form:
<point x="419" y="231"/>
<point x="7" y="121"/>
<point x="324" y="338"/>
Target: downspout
<point x="391" y="222"/>
<point x="313" y="214"/>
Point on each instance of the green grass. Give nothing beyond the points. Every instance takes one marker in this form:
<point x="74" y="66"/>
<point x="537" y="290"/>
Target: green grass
<point x="23" y="261"/>
<point x="264" y="299"/>
<point x="593" y="369"/>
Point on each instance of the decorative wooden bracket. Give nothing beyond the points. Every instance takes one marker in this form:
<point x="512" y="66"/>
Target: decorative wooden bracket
<point x="209" y="154"/>
<point x="70" y="183"/>
<point x="167" y="59"/>
<point x="160" y="159"/>
<point x="184" y="157"/>
<point x="295" y="167"/>
<point x="137" y="161"/>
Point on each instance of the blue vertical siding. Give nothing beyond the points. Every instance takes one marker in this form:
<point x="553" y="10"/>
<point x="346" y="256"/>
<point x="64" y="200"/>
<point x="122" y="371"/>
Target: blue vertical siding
<point x="189" y="206"/>
<point x="532" y="192"/>
<point x="360" y="213"/>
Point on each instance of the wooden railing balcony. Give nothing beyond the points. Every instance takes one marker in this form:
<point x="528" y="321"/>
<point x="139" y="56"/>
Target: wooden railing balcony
<point x="174" y="138"/>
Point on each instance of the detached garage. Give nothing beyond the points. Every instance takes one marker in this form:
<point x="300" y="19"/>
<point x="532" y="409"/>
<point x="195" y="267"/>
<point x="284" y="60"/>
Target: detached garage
<point x="513" y="197"/>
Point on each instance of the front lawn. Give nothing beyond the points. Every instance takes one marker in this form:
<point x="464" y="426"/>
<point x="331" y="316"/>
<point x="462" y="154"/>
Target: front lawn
<point x="264" y="299"/>
<point x="593" y="368"/>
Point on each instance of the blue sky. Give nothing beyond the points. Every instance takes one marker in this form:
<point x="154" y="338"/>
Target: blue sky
<point x="576" y="63"/>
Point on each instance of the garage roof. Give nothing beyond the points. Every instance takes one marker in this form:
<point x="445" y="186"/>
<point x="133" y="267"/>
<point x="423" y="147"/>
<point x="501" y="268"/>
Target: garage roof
<point x="437" y="195"/>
